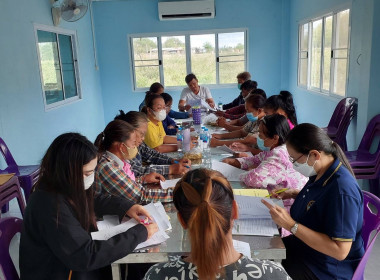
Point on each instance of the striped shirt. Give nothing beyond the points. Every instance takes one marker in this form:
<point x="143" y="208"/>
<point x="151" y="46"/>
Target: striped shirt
<point x="150" y="156"/>
<point x="111" y="178"/>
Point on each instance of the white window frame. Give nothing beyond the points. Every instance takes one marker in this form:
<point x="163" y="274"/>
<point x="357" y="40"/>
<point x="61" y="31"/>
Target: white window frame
<point x="320" y="90"/>
<point x="73" y="35"/>
<point x="187" y="35"/>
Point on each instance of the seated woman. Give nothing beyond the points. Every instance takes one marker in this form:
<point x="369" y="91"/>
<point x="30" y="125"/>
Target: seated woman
<point x="153" y="160"/>
<point x="241" y="78"/>
<point x="117" y="146"/>
<point x="276" y="104"/>
<point x="254" y="104"/>
<point x="237" y="124"/>
<point x="55" y="240"/>
<point x="157" y="88"/>
<point x="239" y="111"/>
<point x="156" y="137"/>
<point x="271" y="168"/>
<point x="207" y="210"/>
<point x="169" y="125"/>
<point x="326" y="217"/>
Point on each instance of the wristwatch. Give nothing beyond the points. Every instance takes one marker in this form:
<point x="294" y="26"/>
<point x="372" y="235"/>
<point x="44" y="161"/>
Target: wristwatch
<point x="294" y="228"/>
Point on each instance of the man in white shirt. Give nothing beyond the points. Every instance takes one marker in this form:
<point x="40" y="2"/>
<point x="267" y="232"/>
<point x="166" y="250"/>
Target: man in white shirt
<point x="193" y="94"/>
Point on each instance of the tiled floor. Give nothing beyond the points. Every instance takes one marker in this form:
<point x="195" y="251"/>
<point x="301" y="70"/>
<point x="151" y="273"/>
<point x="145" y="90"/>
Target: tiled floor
<point x="371" y="272"/>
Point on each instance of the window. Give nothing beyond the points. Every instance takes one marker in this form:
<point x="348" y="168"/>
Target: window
<point x="58" y="66"/>
<point x="214" y="57"/>
<point x="323" y="53"/>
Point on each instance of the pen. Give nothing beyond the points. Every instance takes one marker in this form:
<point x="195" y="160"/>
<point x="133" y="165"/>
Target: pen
<point x="176" y="161"/>
<point x="279" y="191"/>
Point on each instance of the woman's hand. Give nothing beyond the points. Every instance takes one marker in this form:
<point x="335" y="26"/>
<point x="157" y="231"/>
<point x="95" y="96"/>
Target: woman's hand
<point x="152" y="228"/>
<point x="240" y="155"/>
<point x="179" y="168"/>
<point x="232" y="161"/>
<point x="288" y="194"/>
<point x="239" y="147"/>
<point x="279" y="215"/>
<point x="136" y="211"/>
<point x="215" y="142"/>
<point x="221" y="122"/>
<point x="153" y="178"/>
<point x="219" y="113"/>
<point x="217" y="136"/>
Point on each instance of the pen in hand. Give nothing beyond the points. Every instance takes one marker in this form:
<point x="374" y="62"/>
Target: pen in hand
<point x="278" y="191"/>
<point x="176" y="161"/>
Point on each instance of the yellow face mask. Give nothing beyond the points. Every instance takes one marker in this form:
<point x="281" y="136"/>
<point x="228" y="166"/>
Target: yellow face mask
<point x="132" y="152"/>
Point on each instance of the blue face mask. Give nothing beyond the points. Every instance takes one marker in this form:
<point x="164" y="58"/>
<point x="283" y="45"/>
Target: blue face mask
<point x="239" y="86"/>
<point x="260" y="144"/>
<point x="251" y="117"/>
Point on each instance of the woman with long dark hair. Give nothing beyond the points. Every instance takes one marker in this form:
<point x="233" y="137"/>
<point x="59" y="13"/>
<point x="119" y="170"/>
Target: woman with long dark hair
<point x="207" y="210"/>
<point x="55" y="239"/>
<point x="326" y="217"/>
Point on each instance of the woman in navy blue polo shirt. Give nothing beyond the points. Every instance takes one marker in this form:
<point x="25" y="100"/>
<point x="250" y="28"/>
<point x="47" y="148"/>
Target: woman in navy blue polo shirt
<point x="327" y="215"/>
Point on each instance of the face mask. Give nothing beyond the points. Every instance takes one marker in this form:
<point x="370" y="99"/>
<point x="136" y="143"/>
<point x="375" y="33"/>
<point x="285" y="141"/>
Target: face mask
<point x="132" y="152"/>
<point x="160" y="115"/>
<point x="260" y="144"/>
<point x="88" y="181"/>
<point x="251" y="117"/>
<point x="305" y="169"/>
<point x="239" y="86"/>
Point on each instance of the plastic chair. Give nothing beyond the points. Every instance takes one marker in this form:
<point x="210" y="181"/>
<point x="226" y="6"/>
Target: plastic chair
<point x="340" y="120"/>
<point x="10" y="190"/>
<point x="371" y="222"/>
<point x="366" y="165"/>
<point x="8" y="228"/>
<point x="27" y="175"/>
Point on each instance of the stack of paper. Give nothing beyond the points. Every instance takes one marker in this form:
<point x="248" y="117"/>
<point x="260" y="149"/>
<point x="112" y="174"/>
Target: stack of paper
<point x="254" y="217"/>
<point x="110" y="226"/>
<point x="251" y="192"/>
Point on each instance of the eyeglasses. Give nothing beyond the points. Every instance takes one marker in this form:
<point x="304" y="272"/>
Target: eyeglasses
<point x="292" y="160"/>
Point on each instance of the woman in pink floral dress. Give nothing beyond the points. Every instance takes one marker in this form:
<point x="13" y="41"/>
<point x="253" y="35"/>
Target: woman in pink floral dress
<point x="271" y="168"/>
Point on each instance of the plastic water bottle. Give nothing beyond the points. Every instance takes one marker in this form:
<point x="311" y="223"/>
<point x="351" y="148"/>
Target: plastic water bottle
<point x="201" y="135"/>
<point x="179" y="140"/>
<point x="220" y="104"/>
<point x="206" y="149"/>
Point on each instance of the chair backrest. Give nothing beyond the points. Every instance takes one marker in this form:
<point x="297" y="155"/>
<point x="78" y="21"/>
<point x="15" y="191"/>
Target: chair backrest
<point x="345" y="107"/>
<point x="7" y="154"/>
<point x="8" y="228"/>
<point x="371" y="222"/>
<point x="372" y="131"/>
<point x="371" y="216"/>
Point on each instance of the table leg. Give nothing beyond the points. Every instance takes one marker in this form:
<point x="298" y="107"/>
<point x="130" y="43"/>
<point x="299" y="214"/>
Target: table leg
<point x="116" y="274"/>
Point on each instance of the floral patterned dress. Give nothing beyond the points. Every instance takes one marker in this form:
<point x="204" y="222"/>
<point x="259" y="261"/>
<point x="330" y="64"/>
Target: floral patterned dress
<point x="244" y="268"/>
<point x="272" y="169"/>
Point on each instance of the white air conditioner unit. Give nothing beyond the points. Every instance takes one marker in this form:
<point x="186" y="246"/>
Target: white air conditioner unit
<point x="176" y="10"/>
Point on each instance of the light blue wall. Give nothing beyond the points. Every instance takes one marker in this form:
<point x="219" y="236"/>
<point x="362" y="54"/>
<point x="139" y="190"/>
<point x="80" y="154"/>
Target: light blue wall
<point x="24" y="124"/>
<point x="363" y="63"/>
<point x="115" y="20"/>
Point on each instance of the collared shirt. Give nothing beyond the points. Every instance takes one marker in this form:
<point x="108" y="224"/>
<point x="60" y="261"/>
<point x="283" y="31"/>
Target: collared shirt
<point x="332" y="205"/>
<point x="195" y="99"/>
<point x="110" y="177"/>
<point x="155" y="134"/>
<point x="150" y="156"/>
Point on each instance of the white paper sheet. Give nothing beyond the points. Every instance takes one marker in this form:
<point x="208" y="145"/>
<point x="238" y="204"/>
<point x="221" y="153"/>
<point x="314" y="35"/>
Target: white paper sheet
<point x="157" y="238"/>
<point x="230" y="172"/>
<point x="169" y="183"/>
<point x="109" y="221"/>
<point x="261" y="227"/>
<point x="205" y="105"/>
<point x="110" y="232"/>
<point x="242" y="247"/>
<point x="158" y="213"/>
<point x="252" y="207"/>
<point x="226" y="149"/>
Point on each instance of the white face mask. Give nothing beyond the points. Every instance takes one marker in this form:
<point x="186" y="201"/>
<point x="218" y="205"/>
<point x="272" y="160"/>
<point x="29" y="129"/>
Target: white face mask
<point x="305" y="169"/>
<point x="89" y="180"/>
<point x="160" y="115"/>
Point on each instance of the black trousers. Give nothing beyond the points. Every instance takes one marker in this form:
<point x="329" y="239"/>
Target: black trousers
<point x="293" y="264"/>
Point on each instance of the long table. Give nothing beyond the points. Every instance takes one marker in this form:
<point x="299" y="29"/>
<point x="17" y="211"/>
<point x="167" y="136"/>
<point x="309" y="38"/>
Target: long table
<point x="262" y="247"/>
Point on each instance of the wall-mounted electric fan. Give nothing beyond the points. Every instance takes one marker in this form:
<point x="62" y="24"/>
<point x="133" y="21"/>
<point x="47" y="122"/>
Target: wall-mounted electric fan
<point x="69" y="10"/>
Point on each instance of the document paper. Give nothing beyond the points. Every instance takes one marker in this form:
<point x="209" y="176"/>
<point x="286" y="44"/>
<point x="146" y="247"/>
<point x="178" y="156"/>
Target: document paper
<point x="169" y="183"/>
<point x="242" y="247"/>
<point x="230" y="172"/>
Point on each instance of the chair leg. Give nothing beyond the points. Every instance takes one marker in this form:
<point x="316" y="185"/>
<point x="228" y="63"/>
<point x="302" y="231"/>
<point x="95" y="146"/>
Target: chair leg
<point x="5" y="208"/>
<point x="374" y="186"/>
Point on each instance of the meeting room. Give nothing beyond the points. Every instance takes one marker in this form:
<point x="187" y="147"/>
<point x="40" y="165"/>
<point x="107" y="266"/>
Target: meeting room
<point x="189" y="139"/>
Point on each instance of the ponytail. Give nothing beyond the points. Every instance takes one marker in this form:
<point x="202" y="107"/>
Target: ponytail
<point x="204" y="199"/>
<point x="337" y="152"/>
